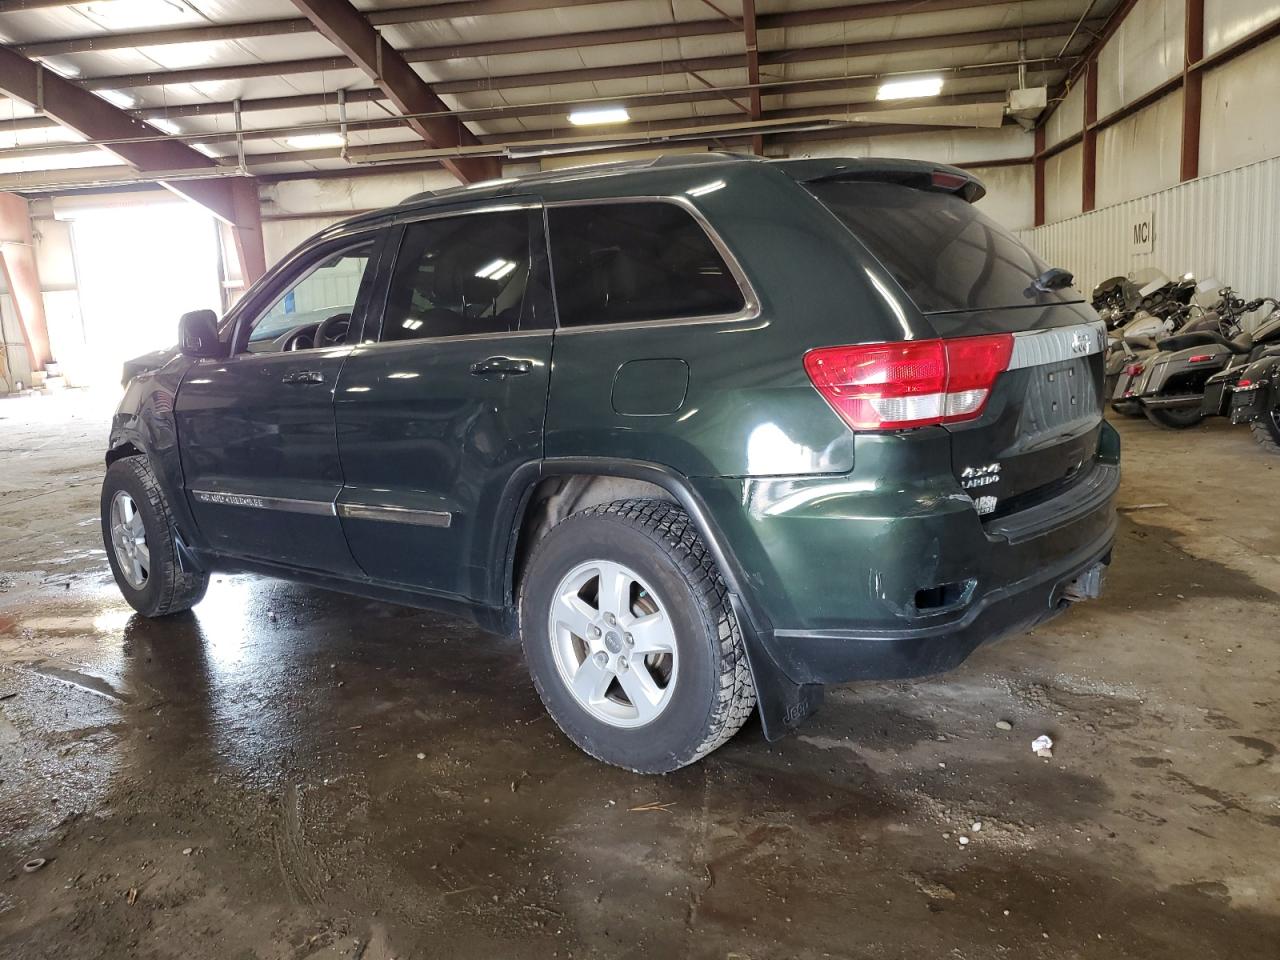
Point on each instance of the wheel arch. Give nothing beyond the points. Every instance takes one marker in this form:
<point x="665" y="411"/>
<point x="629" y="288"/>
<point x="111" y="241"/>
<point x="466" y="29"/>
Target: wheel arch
<point x="585" y="482"/>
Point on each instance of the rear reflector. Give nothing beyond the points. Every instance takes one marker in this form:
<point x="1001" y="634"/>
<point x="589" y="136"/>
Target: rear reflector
<point x="1133" y="369"/>
<point x="1200" y="358"/>
<point x="892" y="386"/>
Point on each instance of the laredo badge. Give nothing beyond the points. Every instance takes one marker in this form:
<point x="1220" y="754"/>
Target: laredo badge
<point x="973" y="477"/>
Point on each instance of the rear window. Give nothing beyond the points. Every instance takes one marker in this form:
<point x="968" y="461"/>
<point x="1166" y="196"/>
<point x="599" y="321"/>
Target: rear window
<point x="944" y="253"/>
<point x="628" y="262"/>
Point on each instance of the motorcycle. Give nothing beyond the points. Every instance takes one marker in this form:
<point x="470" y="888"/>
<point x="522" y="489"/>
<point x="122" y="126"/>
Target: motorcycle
<point x="1174" y="388"/>
<point x="1164" y="307"/>
<point x="1255" y="400"/>
<point x="1248" y="391"/>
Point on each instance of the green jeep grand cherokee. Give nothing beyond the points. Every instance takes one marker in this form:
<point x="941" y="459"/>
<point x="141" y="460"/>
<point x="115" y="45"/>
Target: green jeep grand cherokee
<point x="704" y="433"/>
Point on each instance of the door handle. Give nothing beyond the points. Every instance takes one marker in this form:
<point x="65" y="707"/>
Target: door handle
<point x="501" y="367"/>
<point x="303" y="376"/>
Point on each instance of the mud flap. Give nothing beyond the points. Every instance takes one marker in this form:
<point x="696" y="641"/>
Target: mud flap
<point x="783" y="704"/>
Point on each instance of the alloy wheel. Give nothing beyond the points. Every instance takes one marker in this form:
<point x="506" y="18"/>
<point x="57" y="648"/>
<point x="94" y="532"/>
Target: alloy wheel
<point x="129" y="540"/>
<point x="614" y="644"/>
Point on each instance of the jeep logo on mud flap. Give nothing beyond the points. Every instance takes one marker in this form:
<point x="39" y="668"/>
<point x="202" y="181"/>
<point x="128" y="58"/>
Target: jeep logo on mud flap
<point x="973" y="477"/>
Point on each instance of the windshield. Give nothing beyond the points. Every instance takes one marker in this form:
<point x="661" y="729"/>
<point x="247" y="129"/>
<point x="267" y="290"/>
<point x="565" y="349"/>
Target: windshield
<point x="945" y="254"/>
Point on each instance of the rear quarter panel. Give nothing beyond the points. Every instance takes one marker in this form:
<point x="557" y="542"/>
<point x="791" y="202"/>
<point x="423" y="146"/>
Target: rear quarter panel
<point x="749" y="409"/>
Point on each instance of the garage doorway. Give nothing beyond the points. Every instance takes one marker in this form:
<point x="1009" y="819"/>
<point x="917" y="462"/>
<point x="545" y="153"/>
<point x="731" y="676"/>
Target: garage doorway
<point x="140" y="267"/>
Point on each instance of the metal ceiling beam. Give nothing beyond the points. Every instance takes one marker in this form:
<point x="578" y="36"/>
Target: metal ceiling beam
<point x="828" y="51"/>
<point x="843" y="106"/>
<point x="424" y="12"/>
<point x="658" y="127"/>
<point x="835" y="50"/>
<point x="847" y="85"/>
<point x="143" y="146"/>
<point x="347" y="29"/>
<point x="749" y="39"/>
<point x="435" y="12"/>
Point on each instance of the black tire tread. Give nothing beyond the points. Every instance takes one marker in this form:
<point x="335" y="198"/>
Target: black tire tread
<point x="672" y="532"/>
<point x="179" y="590"/>
<point x="1267" y="433"/>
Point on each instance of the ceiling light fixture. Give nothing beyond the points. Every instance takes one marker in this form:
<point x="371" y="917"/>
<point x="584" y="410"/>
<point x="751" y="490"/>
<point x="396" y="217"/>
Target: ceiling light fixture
<point x="165" y="124"/>
<point x="599" y="115"/>
<point x="118" y="98"/>
<point x="909" y="89"/>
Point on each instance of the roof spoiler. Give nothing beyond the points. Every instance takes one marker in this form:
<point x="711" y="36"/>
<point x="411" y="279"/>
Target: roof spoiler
<point x="909" y="173"/>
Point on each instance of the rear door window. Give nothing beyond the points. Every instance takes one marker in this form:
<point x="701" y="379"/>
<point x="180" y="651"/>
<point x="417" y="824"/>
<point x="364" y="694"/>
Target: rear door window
<point x="483" y="272"/>
<point x="945" y="254"/>
<point x="636" y="261"/>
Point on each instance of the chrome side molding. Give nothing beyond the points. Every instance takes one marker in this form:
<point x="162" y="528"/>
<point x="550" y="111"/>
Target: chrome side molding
<point x="423" y="518"/>
<point x="349" y="511"/>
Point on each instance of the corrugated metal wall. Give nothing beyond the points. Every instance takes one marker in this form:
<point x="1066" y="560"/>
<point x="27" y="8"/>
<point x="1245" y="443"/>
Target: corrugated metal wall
<point x="1225" y="226"/>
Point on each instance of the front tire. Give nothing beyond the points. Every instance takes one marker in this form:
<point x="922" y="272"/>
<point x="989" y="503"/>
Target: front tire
<point x="1174" y="418"/>
<point x="630" y="638"/>
<point x="137" y="530"/>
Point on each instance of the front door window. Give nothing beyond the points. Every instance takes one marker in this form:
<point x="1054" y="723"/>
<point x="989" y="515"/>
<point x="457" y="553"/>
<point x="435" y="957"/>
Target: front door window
<point x="316" y="310"/>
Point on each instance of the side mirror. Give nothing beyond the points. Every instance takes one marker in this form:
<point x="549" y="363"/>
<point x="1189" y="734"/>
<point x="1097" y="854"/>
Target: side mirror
<point x="198" y="335"/>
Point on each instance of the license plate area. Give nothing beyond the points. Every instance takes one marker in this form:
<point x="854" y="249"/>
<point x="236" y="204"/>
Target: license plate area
<point x="1057" y="395"/>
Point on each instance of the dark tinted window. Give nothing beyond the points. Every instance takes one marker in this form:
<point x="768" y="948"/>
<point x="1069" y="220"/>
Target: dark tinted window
<point x="478" y="273"/>
<point x="944" y="253"/>
<point x="620" y="262"/>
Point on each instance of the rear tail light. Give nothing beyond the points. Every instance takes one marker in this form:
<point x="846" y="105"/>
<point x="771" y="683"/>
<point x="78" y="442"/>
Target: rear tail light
<point x="1200" y="358"/>
<point x="1133" y="369"/>
<point x="892" y="386"/>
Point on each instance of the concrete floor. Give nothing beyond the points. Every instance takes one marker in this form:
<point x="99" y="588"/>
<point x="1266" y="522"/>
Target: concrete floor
<point x="293" y="773"/>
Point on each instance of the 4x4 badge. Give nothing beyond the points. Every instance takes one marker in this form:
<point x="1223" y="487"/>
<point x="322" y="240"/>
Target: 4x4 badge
<point x="972" y="477"/>
<point x="1081" y="341"/>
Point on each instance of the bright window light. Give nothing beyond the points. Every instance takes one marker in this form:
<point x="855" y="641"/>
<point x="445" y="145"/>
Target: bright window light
<point x="314" y="141"/>
<point x="599" y="115"/>
<point x="118" y="97"/>
<point x="907" y="89"/>
<point x="165" y="124"/>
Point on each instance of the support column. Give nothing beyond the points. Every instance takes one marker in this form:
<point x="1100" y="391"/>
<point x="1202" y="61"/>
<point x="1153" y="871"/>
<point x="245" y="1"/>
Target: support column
<point x="1089" y="162"/>
<point x="1192" y="90"/>
<point x="18" y="264"/>
<point x="1038" y="168"/>
<point x="247" y="229"/>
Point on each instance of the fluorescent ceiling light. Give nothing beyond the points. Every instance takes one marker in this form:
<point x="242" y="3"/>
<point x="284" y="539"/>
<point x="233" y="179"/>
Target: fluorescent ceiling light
<point x="314" y="141"/>
<point x="599" y="115"/>
<point x="496" y="270"/>
<point x="118" y="97"/>
<point x="907" y="89"/>
<point x="64" y="70"/>
<point x="165" y="124"/>
<point x="205" y="149"/>
<point x="411" y="324"/>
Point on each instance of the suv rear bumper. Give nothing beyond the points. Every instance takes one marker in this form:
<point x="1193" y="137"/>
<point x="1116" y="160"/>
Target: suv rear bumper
<point x="840" y="656"/>
<point x="855" y="577"/>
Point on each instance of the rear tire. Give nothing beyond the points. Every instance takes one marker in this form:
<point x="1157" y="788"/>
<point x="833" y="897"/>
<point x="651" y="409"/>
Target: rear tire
<point x="664" y="697"/>
<point x="1266" y="430"/>
<point x="1176" y="418"/>
<point x="137" y="530"/>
